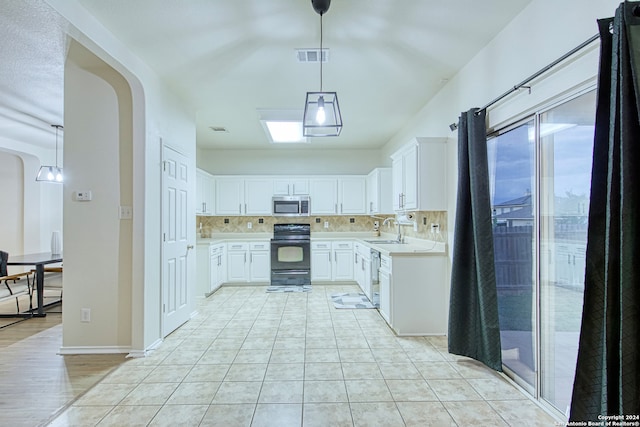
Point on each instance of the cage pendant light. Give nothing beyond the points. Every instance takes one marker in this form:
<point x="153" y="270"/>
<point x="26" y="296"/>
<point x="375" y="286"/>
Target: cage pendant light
<point x="51" y="173"/>
<point x="321" y="109"/>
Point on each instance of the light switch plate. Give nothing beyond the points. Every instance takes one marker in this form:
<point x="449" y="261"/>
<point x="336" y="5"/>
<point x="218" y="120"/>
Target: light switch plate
<point x="83" y="195"/>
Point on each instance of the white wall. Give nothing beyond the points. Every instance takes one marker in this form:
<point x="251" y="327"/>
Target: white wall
<point x="156" y="115"/>
<point x="12" y="224"/>
<point x="543" y="32"/>
<point x="290" y="161"/>
<point x="40" y="203"/>
<point x="92" y="227"/>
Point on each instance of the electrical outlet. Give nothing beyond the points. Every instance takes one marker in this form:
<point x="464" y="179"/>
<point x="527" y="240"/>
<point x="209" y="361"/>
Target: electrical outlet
<point x="326" y="224"/>
<point x="85" y="315"/>
<point x="249" y="225"/>
<point x="126" y="212"/>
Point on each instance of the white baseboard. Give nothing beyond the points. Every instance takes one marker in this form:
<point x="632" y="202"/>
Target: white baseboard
<point x="94" y="350"/>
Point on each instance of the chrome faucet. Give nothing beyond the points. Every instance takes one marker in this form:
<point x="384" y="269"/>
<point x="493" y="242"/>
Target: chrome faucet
<point x="399" y="236"/>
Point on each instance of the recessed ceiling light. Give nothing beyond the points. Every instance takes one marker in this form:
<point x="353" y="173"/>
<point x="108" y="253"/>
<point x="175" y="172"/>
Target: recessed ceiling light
<point x="285" y="132"/>
<point x="283" y="126"/>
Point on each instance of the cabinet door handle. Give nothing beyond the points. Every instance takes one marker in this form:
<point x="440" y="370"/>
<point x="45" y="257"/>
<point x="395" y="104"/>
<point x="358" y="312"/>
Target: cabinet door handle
<point x="341" y="210"/>
<point x="289" y="189"/>
<point x="245" y="257"/>
<point x="335" y="208"/>
<point x="251" y="258"/>
<point x="335" y="256"/>
<point x="370" y="206"/>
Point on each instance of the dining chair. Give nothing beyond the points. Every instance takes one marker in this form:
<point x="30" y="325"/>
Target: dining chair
<point x="16" y="288"/>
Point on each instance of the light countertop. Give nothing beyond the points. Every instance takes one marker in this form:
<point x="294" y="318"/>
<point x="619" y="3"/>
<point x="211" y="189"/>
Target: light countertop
<point x="412" y="247"/>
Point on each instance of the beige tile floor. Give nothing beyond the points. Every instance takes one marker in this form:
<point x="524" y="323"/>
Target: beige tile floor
<point x="251" y="358"/>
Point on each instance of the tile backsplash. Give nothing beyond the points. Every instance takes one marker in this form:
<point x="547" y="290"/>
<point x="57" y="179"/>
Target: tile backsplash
<point x="342" y="223"/>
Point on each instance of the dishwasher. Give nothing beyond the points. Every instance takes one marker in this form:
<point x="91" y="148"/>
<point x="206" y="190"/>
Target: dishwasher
<point x="375" y="278"/>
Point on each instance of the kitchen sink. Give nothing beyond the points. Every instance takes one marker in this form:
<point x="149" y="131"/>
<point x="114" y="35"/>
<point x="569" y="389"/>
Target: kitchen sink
<point x="385" y="242"/>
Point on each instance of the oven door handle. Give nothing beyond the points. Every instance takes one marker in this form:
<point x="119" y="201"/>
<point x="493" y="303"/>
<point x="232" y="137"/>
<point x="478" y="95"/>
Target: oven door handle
<point x="290" y="272"/>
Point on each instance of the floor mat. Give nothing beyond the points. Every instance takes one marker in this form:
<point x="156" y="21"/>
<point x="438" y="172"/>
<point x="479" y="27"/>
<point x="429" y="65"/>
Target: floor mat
<point x="289" y="288"/>
<point x="358" y="300"/>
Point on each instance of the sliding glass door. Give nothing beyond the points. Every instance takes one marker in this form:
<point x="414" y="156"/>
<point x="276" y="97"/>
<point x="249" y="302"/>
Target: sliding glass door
<point x="566" y="151"/>
<point x="512" y="165"/>
<point x="540" y="178"/>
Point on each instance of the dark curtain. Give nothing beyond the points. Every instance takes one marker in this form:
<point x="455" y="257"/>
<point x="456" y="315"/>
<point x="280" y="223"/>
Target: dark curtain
<point x="474" y="329"/>
<point x="607" y="379"/>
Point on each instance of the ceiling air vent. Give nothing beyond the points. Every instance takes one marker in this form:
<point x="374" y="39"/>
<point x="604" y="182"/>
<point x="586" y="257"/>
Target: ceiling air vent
<point x="220" y="129"/>
<point x="312" y="55"/>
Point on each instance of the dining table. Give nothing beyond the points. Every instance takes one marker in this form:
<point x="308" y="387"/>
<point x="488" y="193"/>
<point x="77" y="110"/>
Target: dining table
<point x="38" y="260"/>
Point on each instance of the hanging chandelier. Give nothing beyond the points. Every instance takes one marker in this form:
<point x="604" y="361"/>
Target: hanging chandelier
<point x="51" y="173"/>
<point x="321" y="109"/>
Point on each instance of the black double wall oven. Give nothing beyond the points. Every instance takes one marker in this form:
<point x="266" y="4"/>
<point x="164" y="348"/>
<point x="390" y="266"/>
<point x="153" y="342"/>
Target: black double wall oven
<point x="291" y="254"/>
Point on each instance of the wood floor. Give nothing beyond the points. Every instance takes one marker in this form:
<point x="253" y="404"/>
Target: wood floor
<point x="35" y="382"/>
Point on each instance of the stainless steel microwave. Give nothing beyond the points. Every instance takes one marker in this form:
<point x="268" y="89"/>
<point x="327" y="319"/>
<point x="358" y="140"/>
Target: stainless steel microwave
<point x="291" y="205"/>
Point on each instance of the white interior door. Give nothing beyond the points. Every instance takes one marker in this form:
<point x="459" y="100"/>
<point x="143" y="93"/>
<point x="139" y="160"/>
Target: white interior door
<point x="175" y="247"/>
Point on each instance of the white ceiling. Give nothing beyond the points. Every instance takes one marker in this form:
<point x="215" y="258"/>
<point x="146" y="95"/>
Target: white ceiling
<point x="229" y="58"/>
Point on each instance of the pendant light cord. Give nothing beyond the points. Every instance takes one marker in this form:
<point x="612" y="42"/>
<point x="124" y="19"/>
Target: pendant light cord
<point x="57" y="128"/>
<point x="320" y="52"/>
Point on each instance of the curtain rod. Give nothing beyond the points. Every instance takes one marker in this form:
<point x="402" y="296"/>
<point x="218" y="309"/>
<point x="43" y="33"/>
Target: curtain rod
<point x="535" y="75"/>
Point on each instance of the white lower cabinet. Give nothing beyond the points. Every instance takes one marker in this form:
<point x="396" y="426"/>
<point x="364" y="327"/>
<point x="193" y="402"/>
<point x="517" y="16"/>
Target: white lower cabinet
<point x="211" y="269"/>
<point x="343" y="261"/>
<point x="362" y="269"/>
<point x="384" y="275"/>
<point x="331" y="261"/>
<point x="237" y="262"/>
<point x="259" y="262"/>
<point x="321" y="256"/>
<point x="248" y="262"/>
<point x="413" y="294"/>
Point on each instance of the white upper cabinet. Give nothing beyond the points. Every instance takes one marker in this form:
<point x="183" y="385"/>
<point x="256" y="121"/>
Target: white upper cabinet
<point x="379" y="191"/>
<point x="205" y="191"/>
<point x="229" y="196"/>
<point x="324" y="196"/>
<point x="418" y="174"/>
<point x="252" y="195"/>
<point x="346" y="195"/>
<point x="290" y="187"/>
<point x="352" y="195"/>
<point x="257" y="196"/>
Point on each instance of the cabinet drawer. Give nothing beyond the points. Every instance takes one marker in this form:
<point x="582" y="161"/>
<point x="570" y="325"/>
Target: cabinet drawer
<point x="320" y="245"/>
<point x="237" y="246"/>
<point x="259" y="246"/>
<point x="385" y="263"/>
<point x="216" y="250"/>
<point x="342" y="245"/>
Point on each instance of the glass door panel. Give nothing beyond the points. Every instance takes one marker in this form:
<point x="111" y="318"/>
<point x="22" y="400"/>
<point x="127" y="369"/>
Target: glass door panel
<point x="566" y="141"/>
<point x="512" y="179"/>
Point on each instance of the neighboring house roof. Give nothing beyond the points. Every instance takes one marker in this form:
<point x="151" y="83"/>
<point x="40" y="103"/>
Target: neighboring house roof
<point x="520" y="201"/>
